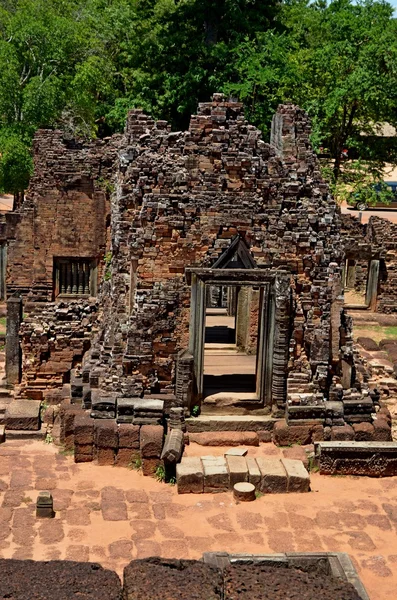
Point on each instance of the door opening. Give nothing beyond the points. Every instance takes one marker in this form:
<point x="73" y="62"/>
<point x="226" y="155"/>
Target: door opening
<point x="232" y="319"/>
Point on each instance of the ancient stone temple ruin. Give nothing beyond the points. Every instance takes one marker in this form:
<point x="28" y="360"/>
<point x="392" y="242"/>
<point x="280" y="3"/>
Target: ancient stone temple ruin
<point x="166" y="273"/>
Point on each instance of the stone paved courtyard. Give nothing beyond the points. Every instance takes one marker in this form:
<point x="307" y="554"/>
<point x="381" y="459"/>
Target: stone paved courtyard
<point x="110" y="515"/>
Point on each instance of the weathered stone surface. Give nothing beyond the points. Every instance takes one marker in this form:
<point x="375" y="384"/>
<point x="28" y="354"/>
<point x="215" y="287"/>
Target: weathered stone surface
<point x="83" y="430"/>
<point x="343" y="433"/>
<point x="372" y="459"/>
<point x="2" y="434"/>
<point x="283" y="435"/>
<point x="23" y="414"/>
<point x="236" y="452"/>
<point x="382" y="430"/>
<point x="173" y="446"/>
<point x="106" y="434"/>
<point x="151" y="441"/>
<point x="363" y="432"/>
<point x="273" y="476"/>
<point x="150" y="465"/>
<point x="159" y="578"/>
<point x="225" y="438"/>
<point x="216" y="476"/>
<point x="22" y="579"/>
<point x="45" y="506"/>
<point x="127" y="457"/>
<point x="106" y="456"/>
<point x="238" y="470"/>
<point x="129" y="436"/>
<point x="244" y="492"/>
<point x="298" y="477"/>
<point x="190" y="475"/>
<point x="254" y="474"/>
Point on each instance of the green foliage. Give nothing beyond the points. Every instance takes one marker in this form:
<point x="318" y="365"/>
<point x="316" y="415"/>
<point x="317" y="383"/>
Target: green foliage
<point x="195" y="410"/>
<point x="160" y="473"/>
<point x="136" y="465"/>
<point x="82" y="64"/>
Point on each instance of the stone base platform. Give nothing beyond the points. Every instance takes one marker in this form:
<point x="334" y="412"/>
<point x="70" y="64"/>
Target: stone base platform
<point x="23" y="415"/>
<point x="209" y="474"/>
<point x="372" y="459"/>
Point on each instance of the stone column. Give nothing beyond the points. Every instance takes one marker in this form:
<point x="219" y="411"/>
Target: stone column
<point x="13" y="348"/>
<point x="282" y="293"/>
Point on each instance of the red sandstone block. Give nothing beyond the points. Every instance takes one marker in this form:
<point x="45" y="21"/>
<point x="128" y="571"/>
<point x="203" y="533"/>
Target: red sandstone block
<point x="342" y="433"/>
<point x="106" y="434"/>
<point x="84" y="429"/>
<point x="384" y="413"/>
<point x="318" y="433"/>
<point x="129" y="436"/>
<point x="265" y="436"/>
<point x="363" y="432"/>
<point x="150" y="466"/>
<point x="382" y="430"/>
<point x="127" y="457"/>
<point x="82" y="458"/>
<point x="283" y="435"/>
<point x="151" y="441"/>
<point x="106" y="456"/>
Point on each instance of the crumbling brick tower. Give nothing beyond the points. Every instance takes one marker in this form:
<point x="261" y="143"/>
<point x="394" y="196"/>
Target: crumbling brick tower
<point x="217" y="205"/>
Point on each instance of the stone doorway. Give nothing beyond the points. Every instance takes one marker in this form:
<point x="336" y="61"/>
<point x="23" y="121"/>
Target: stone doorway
<point x="230" y="345"/>
<point x="266" y="378"/>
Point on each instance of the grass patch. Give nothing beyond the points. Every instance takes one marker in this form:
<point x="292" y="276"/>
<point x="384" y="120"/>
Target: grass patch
<point x="65" y="452"/>
<point x="376" y="332"/>
<point x="3" y="321"/>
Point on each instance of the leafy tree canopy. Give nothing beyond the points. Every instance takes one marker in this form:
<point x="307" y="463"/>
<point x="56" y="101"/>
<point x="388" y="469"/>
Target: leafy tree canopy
<point x="81" y="64"/>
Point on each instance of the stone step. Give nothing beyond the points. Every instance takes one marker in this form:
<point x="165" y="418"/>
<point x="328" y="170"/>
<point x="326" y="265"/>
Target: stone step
<point x="220" y="473"/>
<point x="24" y="434"/>
<point x="207" y="423"/>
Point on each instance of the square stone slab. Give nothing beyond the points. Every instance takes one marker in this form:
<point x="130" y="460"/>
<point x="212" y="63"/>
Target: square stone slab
<point x="298" y="477"/>
<point x="254" y="474"/>
<point x="23" y="414"/>
<point x="236" y="452"/>
<point x="273" y="476"/>
<point x="238" y="470"/>
<point x="216" y="475"/>
<point x="190" y="475"/>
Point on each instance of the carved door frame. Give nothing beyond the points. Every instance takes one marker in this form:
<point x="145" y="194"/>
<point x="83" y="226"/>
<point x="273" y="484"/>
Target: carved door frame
<point x="273" y="331"/>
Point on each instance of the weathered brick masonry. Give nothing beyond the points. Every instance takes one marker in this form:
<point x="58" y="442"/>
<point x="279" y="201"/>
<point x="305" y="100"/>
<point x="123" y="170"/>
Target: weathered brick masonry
<point x="184" y="205"/>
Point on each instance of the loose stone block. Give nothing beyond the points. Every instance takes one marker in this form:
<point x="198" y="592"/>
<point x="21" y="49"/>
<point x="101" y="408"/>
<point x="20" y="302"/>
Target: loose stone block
<point x="238" y="470"/>
<point x="23" y="414"/>
<point x="254" y="474"/>
<point x="151" y="441"/>
<point x="106" y="434"/>
<point x="273" y="476"/>
<point x="173" y="446"/>
<point x="298" y="477"/>
<point x="216" y="475"/>
<point x="244" y="492"/>
<point x="45" y="506"/>
<point x="236" y="452"/>
<point x="129" y="436"/>
<point x="190" y="475"/>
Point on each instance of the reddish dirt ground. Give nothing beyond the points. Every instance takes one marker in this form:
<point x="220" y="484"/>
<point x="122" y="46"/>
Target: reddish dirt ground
<point x="111" y="515"/>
